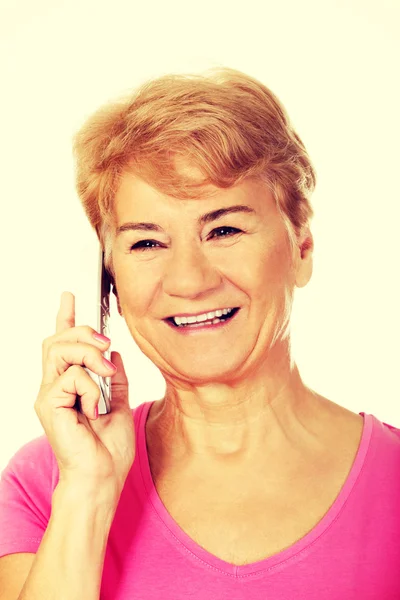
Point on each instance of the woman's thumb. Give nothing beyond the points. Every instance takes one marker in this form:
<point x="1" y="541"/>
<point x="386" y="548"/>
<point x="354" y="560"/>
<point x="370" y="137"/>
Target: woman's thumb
<point x="119" y="382"/>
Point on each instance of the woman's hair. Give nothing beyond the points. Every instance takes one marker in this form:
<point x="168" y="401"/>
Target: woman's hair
<point x="226" y="124"/>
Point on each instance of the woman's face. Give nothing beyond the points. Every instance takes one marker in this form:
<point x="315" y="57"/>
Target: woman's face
<point x="186" y="265"/>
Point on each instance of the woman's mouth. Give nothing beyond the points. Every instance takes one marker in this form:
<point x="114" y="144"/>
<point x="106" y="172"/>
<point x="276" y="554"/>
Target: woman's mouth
<point x="215" y="323"/>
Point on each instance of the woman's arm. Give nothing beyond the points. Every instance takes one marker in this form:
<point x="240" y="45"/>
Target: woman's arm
<point x="69" y="562"/>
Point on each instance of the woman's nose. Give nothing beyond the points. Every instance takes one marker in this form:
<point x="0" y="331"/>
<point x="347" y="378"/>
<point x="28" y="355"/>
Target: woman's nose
<point x="189" y="273"/>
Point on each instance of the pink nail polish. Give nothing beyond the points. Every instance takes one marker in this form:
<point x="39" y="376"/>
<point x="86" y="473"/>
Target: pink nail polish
<point x="101" y="338"/>
<point x="109" y="364"/>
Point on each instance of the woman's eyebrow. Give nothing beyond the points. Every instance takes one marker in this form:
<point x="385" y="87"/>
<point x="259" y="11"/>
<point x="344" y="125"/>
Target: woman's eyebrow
<point x="204" y="219"/>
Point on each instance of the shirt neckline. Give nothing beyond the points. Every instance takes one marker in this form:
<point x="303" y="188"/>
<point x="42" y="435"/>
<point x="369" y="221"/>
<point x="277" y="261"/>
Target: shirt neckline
<point x="188" y="545"/>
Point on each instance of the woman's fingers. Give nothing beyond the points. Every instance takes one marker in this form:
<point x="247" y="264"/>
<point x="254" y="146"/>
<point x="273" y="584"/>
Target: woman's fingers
<point x="119" y="384"/>
<point x="61" y="355"/>
<point x="66" y="312"/>
<point x="87" y="449"/>
<point x="62" y="392"/>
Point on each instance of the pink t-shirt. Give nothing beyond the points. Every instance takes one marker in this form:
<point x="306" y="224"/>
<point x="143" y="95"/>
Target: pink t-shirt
<point x="352" y="553"/>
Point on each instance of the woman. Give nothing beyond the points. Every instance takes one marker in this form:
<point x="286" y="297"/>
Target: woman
<point x="241" y="482"/>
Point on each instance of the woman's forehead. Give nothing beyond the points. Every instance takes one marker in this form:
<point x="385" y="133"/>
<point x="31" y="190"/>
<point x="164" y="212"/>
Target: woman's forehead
<point x="136" y="198"/>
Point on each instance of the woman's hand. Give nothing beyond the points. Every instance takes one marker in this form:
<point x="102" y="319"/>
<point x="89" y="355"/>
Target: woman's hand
<point x="89" y="451"/>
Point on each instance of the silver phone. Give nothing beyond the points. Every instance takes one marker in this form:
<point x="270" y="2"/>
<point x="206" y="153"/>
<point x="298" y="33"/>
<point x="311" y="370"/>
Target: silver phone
<point x="103" y="316"/>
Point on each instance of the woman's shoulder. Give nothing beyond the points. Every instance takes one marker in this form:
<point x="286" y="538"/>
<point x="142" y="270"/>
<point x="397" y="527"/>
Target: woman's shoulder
<point x="36" y="451"/>
<point x="387" y="434"/>
<point x="33" y="465"/>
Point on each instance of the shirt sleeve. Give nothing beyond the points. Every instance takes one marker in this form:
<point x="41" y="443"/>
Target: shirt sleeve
<point x="26" y="488"/>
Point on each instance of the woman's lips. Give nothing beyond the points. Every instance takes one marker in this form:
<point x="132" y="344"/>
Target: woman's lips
<point x="200" y="327"/>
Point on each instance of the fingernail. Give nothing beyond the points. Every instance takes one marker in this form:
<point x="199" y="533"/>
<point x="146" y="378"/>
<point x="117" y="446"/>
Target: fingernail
<point x="109" y="364"/>
<point x="101" y="338"/>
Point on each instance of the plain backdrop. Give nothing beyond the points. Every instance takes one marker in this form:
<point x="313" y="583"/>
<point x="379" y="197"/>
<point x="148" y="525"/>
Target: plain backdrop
<point x="333" y="64"/>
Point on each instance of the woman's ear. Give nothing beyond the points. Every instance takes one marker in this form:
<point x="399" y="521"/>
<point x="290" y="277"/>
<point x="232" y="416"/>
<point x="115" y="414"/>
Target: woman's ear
<point x="307" y="244"/>
<point x="305" y="260"/>
<point x="115" y="292"/>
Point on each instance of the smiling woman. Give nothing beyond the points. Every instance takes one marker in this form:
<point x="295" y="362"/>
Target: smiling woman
<point x="241" y="481"/>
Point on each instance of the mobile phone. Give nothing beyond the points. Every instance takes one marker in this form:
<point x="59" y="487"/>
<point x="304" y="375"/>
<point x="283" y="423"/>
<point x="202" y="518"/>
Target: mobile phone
<point x="103" y="315"/>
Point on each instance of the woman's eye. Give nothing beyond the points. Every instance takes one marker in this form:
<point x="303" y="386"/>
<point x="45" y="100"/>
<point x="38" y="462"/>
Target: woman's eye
<point x="234" y="229"/>
<point x="142" y="245"/>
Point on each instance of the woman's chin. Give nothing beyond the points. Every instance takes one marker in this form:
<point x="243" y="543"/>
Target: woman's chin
<point x="205" y="369"/>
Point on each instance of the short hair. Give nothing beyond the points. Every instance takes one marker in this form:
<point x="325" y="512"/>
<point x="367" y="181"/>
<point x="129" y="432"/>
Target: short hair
<point x="227" y="124"/>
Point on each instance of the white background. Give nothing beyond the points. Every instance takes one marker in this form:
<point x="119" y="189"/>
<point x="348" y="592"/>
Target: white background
<point x="333" y="64"/>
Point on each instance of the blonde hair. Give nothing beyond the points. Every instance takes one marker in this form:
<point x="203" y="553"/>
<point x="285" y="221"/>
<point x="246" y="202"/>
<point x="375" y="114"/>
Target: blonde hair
<point x="224" y="122"/>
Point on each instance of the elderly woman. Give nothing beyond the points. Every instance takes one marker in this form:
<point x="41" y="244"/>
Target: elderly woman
<point x="241" y="482"/>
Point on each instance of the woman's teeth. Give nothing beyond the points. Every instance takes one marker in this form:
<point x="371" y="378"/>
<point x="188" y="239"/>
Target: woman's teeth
<point x="205" y="319"/>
